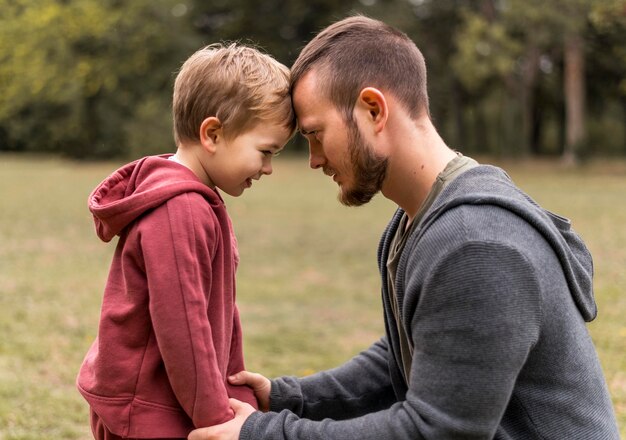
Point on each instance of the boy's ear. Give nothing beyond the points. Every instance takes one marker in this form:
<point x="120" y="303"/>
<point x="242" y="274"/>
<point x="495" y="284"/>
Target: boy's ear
<point x="211" y="133"/>
<point x="372" y="104"/>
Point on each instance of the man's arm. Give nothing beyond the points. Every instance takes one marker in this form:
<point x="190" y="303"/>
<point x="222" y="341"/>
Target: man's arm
<point x="358" y="387"/>
<point x="476" y="320"/>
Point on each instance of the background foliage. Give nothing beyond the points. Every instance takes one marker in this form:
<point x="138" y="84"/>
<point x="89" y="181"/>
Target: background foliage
<point x="93" y="78"/>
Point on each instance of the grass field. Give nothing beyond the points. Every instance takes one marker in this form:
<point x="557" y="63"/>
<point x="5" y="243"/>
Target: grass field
<point x="308" y="286"/>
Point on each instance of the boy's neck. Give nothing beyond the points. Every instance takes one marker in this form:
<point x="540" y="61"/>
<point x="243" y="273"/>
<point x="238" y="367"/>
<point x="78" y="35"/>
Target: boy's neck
<point x="189" y="157"/>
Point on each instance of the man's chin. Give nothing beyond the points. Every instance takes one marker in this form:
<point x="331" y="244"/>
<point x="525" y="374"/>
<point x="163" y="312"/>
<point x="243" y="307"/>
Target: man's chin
<point x="351" y="197"/>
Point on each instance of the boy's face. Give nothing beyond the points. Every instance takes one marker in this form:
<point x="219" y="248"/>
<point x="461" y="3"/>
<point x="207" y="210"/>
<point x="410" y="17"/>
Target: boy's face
<point x="246" y="157"/>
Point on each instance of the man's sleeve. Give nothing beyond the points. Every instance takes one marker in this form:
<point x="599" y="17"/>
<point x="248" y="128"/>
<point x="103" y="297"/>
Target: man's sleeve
<point x="178" y="248"/>
<point x="476" y="320"/>
<point x="359" y="386"/>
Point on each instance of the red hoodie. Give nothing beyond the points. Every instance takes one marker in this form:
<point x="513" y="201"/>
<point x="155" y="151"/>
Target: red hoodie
<point x="169" y="331"/>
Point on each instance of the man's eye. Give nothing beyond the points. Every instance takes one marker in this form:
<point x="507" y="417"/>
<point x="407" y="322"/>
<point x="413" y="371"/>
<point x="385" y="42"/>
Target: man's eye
<point x="309" y="133"/>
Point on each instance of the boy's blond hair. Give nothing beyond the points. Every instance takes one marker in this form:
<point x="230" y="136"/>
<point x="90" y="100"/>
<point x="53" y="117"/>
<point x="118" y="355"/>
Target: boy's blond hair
<point x="237" y="84"/>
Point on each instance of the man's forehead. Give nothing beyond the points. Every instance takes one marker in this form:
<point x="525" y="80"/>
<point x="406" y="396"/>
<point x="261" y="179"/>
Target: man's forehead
<point x="307" y="120"/>
<point x="307" y="100"/>
<point x="305" y="116"/>
<point x="301" y="93"/>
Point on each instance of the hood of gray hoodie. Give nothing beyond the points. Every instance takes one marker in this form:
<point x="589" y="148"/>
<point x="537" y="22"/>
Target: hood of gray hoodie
<point x="489" y="185"/>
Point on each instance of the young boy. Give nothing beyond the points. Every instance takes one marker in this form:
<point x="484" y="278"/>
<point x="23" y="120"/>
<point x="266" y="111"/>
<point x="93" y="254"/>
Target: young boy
<point x="169" y="332"/>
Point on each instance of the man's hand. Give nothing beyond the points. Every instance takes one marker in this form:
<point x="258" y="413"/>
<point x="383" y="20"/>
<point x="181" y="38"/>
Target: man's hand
<point x="259" y="384"/>
<point x="226" y="431"/>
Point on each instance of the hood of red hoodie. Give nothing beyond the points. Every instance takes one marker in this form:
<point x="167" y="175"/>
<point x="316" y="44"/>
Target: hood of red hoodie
<point x="140" y="186"/>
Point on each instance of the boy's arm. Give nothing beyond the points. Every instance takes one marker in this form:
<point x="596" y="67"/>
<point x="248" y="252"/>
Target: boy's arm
<point x="178" y="248"/>
<point x="236" y="364"/>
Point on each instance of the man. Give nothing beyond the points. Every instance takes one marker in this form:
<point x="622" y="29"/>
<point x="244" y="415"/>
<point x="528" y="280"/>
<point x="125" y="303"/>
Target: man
<point x="485" y="293"/>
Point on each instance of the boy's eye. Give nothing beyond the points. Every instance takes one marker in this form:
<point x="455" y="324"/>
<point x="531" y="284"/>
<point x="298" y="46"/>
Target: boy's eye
<point x="267" y="153"/>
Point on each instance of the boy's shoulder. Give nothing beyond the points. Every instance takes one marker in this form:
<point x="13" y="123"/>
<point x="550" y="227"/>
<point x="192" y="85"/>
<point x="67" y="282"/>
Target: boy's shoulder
<point x="185" y="219"/>
<point x="188" y="207"/>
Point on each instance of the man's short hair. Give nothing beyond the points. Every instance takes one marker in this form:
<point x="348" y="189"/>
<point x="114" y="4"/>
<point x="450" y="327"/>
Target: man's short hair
<point x="359" y="52"/>
<point x="237" y="84"/>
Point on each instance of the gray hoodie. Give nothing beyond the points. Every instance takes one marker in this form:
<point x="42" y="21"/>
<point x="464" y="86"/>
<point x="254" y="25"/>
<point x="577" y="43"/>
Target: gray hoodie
<point x="493" y="292"/>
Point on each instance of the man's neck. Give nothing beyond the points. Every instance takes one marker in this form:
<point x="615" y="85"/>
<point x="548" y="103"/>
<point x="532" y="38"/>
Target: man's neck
<point x="414" y="167"/>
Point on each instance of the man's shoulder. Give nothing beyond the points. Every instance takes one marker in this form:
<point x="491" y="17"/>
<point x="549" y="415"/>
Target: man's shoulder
<point x="467" y="220"/>
<point x="480" y="224"/>
<point x="482" y="201"/>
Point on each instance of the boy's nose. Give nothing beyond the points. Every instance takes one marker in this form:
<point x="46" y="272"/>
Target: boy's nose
<point x="267" y="168"/>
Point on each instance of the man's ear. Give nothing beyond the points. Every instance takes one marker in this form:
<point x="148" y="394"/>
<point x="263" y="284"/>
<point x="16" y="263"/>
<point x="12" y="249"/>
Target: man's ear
<point x="372" y="105"/>
<point x="211" y="133"/>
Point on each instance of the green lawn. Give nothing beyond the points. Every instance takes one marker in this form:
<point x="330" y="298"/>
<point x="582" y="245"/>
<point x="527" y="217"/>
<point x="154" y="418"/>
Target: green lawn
<point x="307" y="283"/>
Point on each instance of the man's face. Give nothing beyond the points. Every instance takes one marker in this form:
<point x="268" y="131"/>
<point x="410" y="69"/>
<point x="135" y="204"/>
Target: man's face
<point x="336" y="146"/>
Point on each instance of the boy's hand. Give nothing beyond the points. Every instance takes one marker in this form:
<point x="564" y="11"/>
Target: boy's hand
<point x="226" y="431"/>
<point x="259" y="384"/>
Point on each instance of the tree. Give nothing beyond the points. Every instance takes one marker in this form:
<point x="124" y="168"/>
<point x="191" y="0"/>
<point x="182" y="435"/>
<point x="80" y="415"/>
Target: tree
<point x="606" y="75"/>
<point x="93" y="78"/>
<point x="577" y="13"/>
<point x="76" y="72"/>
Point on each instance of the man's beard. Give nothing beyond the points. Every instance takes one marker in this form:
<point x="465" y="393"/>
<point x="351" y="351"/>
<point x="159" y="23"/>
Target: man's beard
<point x="368" y="170"/>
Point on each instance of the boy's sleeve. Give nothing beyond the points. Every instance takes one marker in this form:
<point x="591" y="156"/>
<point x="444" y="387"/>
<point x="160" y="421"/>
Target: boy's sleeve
<point x="236" y="364"/>
<point x="178" y="247"/>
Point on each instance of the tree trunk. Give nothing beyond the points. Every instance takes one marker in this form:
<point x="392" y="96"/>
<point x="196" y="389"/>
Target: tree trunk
<point x="574" y="91"/>
<point x="530" y="71"/>
<point x="624" y="119"/>
<point x="457" y="106"/>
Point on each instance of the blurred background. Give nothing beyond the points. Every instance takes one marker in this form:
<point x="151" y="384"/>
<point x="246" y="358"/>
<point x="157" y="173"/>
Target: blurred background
<point x="85" y="85"/>
<point x="93" y="78"/>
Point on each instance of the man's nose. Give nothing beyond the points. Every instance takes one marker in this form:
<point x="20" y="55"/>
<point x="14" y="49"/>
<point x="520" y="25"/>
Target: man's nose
<point x="316" y="155"/>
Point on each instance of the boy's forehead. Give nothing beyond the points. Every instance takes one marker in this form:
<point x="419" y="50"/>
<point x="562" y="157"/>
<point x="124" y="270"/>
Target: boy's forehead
<point x="272" y="134"/>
